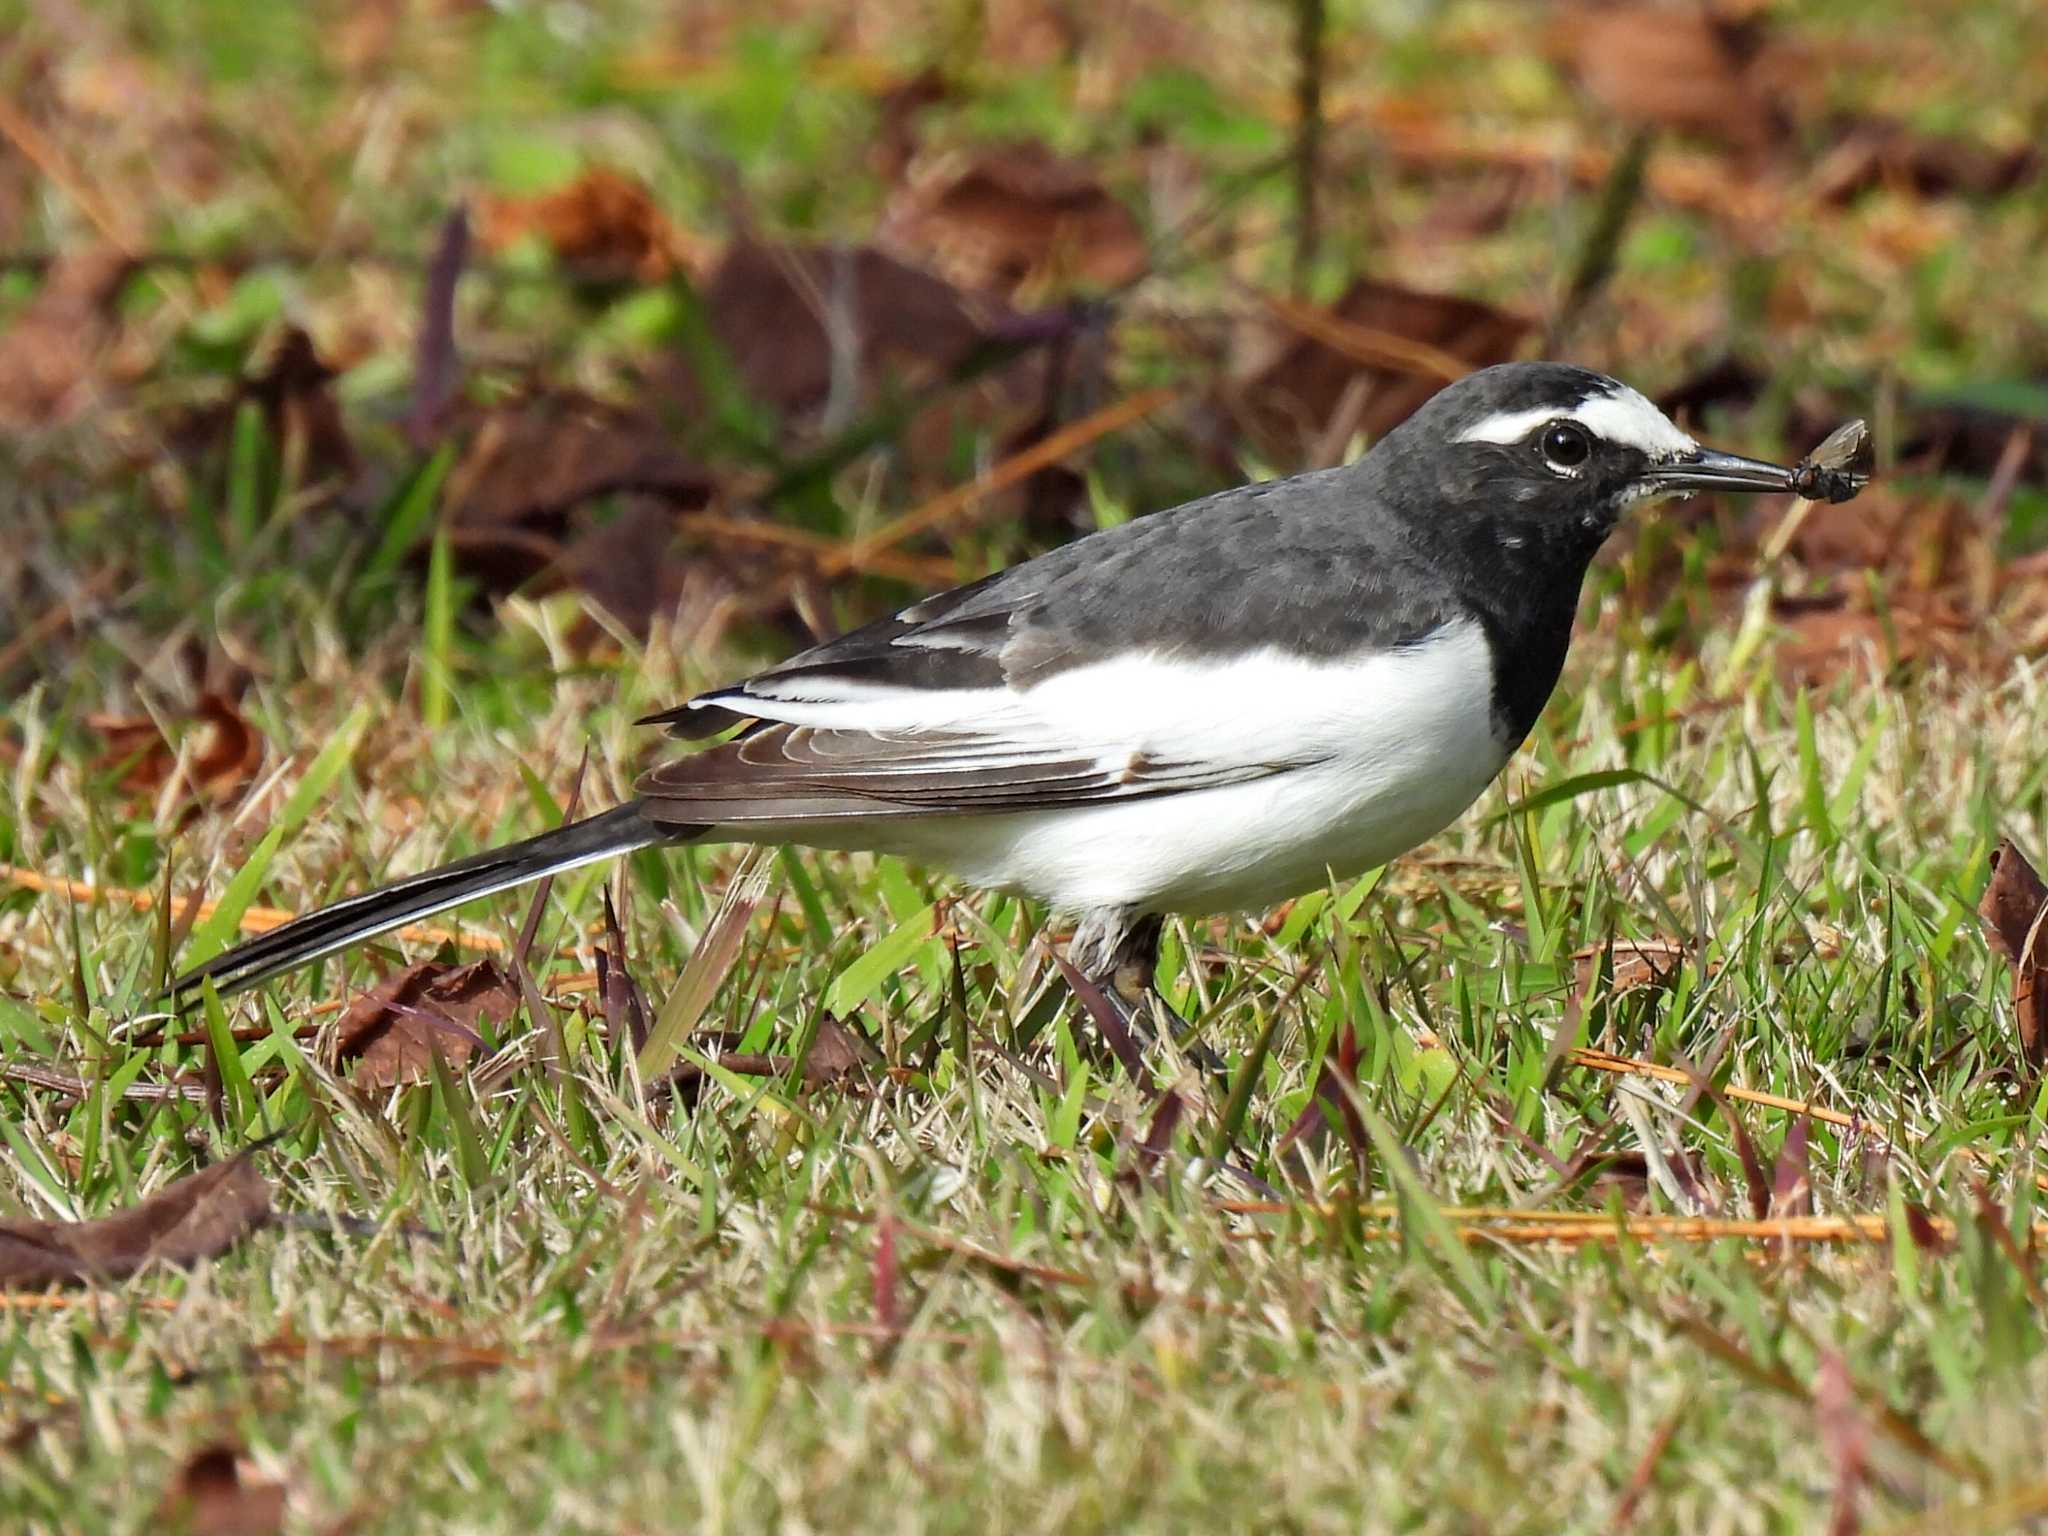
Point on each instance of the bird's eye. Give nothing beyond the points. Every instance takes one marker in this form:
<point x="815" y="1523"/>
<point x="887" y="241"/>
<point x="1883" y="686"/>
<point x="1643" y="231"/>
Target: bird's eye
<point x="1566" y="446"/>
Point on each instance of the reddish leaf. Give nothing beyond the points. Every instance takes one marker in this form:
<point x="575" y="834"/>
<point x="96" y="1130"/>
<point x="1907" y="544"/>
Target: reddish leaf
<point x="603" y="226"/>
<point x="888" y="1317"/>
<point x="813" y="329"/>
<point x="836" y="1054"/>
<point x="1792" y="1180"/>
<point x="1758" y="1186"/>
<point x="55" y="343"/>
<point x="1016" y="217"/>
<point x="386" y="1032"/>
<point x="1313" y="385"/>
<point x="211" y="1497"/>
<point x="1334" y="1103"/>
<point x="2014" y="911"/>
<point x="225" y="765"/>
<point x="530" y="469"/>
<point x="1671" y="67"/>
<point x="1107" y="1017"/>
<point x="200" y="1215"/>
<point x="1881" y="152"/>
<point x="1926" y="1236"/>
<point x="437" y="369"/>
<point x="1166" y="1118"/>
<point x="625" y="1005"/>
<point x="1845" y="1437"/>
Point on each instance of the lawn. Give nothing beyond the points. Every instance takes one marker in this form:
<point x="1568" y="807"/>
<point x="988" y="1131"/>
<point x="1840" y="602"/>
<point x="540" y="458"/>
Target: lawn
<point x="398" y="400"/>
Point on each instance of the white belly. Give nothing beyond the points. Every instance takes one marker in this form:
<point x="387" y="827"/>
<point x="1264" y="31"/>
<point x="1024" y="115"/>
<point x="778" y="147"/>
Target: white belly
<point x="1394" y="747"/>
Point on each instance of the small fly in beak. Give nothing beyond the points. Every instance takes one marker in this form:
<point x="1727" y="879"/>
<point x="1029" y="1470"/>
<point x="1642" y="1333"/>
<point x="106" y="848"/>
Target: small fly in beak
<point x="1708" y="469"/>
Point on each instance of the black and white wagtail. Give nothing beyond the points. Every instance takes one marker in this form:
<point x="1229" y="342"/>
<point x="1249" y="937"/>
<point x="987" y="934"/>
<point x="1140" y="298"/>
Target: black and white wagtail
<point x="1206" y="710"/>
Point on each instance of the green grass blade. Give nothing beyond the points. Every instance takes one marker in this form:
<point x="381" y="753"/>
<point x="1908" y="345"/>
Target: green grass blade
<point x="861" y="979"/>
<point x="213" y="933"/>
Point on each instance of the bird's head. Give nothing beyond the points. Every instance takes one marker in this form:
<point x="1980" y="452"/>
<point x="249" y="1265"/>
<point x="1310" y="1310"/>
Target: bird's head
<point x="1546" y="456"/>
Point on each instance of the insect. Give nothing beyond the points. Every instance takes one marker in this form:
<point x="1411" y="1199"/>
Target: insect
<point x="1839" y="468"/>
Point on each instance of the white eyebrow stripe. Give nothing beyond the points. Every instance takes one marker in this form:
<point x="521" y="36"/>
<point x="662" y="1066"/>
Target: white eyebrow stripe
<point x="1625" y="418"/>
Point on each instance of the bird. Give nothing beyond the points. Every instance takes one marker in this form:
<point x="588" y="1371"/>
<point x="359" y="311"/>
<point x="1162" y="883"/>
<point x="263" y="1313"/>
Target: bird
<point x="1206" y="710"/>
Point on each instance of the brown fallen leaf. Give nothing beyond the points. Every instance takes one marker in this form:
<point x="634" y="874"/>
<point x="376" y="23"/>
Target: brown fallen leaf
<point x="295" y="392"/>
<point x="531" y="465"/>
<point x="1307" y="383"/>
<point x="1672" y="67"/>
<point x="2014" y="911"/>
<point x="225" y="765"/>
<point x="198" y="1216"/>
<point x="835" y="1053"/>
<point x="1017" y="217"/>
<point x="1638" y="964"/>
<point x="820" y="330"/>
<point x="390" y="1032"/>
<point x="1822" y="642"/>
<point x="604" y="226"/>
<point x="1874" y="152"/>
<point x="54" y="345"/>
<point x="212" y="1496"/>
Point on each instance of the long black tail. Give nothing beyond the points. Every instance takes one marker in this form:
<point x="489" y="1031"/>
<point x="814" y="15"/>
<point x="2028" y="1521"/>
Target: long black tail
<point x="306" y="939"/>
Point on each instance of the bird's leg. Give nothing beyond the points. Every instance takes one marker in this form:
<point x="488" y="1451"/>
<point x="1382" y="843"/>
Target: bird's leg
<point x="1127" y="976"/>
<point x="1119" y="954"/>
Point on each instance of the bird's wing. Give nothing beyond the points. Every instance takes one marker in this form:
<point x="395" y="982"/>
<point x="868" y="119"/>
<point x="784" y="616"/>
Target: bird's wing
<point x="782" y="772"/>
<point x="1181" y="651"/>
<point x="949" y="643"/>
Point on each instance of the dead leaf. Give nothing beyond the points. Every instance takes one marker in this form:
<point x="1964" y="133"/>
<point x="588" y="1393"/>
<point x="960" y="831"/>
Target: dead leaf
<point x="1925" y="1235"/>
<point x="391" y="1032"/>
<point x="1671" y="67"/>
<point x="835" y="1053"/>
<point x="54" y="345"/>
<point x="901" y="105"/>
<point x="2014" y="911"/>
<point x="1870" y="153"/>
<point x="1827" y="635"/>
<point x="819" y="331"/>
<point x="603" y="226"/>
<point x="1333" y="1105"/>
<point x="212" y="1496"/>
<point x="1017" y="217"/>
<point x="218" y="774"/>
<point x="295" y="393"/>
<point x="1638" y="964"/>
<point x="1296" y="389"/>
<point x="198" y="1216"/>
<point x="532" y="464"/>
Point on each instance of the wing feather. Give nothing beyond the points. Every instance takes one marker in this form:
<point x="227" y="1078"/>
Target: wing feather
<point x="784" y="772"/>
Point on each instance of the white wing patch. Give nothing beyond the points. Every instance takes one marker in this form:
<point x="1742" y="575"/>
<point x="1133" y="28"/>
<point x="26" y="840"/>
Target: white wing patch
<point x="1619" y="416"/>
<point x="1265" y="708"/>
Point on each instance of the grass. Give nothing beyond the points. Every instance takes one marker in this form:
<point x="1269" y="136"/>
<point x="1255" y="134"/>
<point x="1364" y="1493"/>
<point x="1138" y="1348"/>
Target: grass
<point x="587" y="1305"/>
<point x="992" y="1280"/>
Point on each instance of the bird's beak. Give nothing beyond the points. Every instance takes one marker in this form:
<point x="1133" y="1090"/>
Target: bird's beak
<point x="1708" y="469"/>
